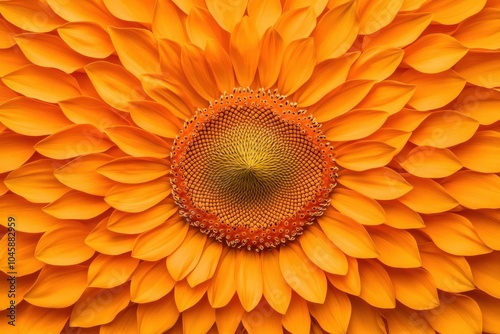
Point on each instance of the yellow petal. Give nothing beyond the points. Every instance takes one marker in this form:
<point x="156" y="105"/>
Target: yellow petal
<point x="185" y="258"/>
<point x="271" y="323"/>
<point x="271" y="56"/>
<point x="135" y="12"/>
<point x="350" y="236"/>
<point x="297" y="318"/>
<point x="107" y="242"/>
<point x="365" y="318"/>
<point x="327" y="75"/>
<point x="479" y="31"/>
<point x="378" y="183"/>
<point x="227" y="14"/>
<point x="400" y="216"/>
<point x="449" y="12"/>
<point x="389" y="96"/>
<point x="461" y="315"/>
<point x="244" y="50"/>
<point x="301" y="274"/>
<point x="125" y="321"/>
<point x="88" y="310"/>
<point x="126" y="223"/>
<point x="275" y="289"/>
<point x="134" y="170"/>
<point x="297" y="66"/>
<point x="322" y="252"/>
<point x="15" y="150"/>
<point x="158" y="316"/>
<point x="480" y="68"/>
<point x="349" y="282"/>
<point x="26" y="262"/>
<point x="198" y="72"/>
<point x="72" y="281"/>
<point x="84" y="12"/>
<point x="167" y="21"/>
<point x="161" y="241"/>
<point x="199" y="318"/>
<point x="250" y="293"/>
<point x="35" y="182"/>
<point x="108" y="271"/>
<point x="434" y="53"/>
<point x="354" y="124"/>
<point x="45" y="84"/>
<point x="431" y="162"/>
<point x="485" y="270"/>
<point x="219" y="62"/>
<point x="228" y="318"/>
<point x="404" y="320"/>
<point x="397" y="248"/>
<point x="150" y="282"/>
<point x="38" y="320"/>
<point x="454" y="234"/>
<point x="264" y="13"/>
<point x="336" y="31"/>
<point x="364" y="154"/>
<point x="413" y="24"/>
<point x="207" y="265"/>
<point x="480" y="104"/>
<point x="485" y="224"/>
<point x="474" y="190"/>
<point x="376" y="63"/>
<point x="76" y="205"/>
<point x="433" y="90"/>
<point x="186" y="296"/>
<point x="137" y="142"/>
<point x="374" y="15"/>
<point x="490" y="308"/>
<point x="451" y="273"/>
<point x="427" y="196"/>
<point x="31" y="16"/>
<point x="201" y="28"/>
<point x="414" y="288"/>
<point x="376" y="286"/>
<point x="115" y="85"/>
<point x="86" y="38"/>
<point x="480" y="153"/>
<point x="334" y="314"/>
<point x="296" y="24"/>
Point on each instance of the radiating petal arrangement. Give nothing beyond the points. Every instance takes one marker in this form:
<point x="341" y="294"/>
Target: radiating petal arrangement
<point x="250" y="166"/>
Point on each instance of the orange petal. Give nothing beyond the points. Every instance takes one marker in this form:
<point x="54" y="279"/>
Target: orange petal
<point x="137" y="142"/>
<point x="378" y="183"/>
<point x="228" y="318"/>
<point x="365" y="318"/>
<point x="376" y="286"/>
<point x="406" y="119"/>
<point x="336" y="31"/>
<point x="474" y="190"/>
<point x="433" y="90"/>
<point x="348" y="203"/>
<point x="125" y="321"/>
<point x="15" y="150"/>
<point x="219" y="62"/>
<point x="126" y="223"/>
<point x="168" y="22"/>
<point x="334" y="314"/>
<point x="397" y="248"/>
<point x="244" y="50"/>
<point x="404" y="320"/>
<point x="199" y="318"/>
<point x="349" y="283"/>
<point x="480" y="68"/>
<point x="451" y="273"/>
<point x="364" y="154"/>
<point x="76" y="205"/>
<point x="400" y="216"/>
<point x="38" y="320"/>
<point x="301" y="274"/>
<point x="296" y="24"/>
<point x="413" y="24"/>
<point x="414" y="288"/>
<point x="107" y="242"/>
<point x="490" y="308"/>
<point x="485" y="224"/>
<point x="185" y="258"/>
<point x="297" y="66"/>
<point x="7" y="32"/>
<point x="479" y="103"/>
<point x="35" y="181"/>
<point x="198" y="72"/>
<point x="108" y="271"/>
<point x="255" y="323"/>
<point x="187" y="296"/>
<point x="86" y="38"/>
<point x="158" y="316"/>
<point x="350" y="236"/>
<point x="249" y="265"/>
<point x="327" y="75"/>
<point x="26" y="262"/>
<point x="117" y="299"/>
<point x="32" y="118"/>
<point x="135" y="12"/>
<point x="84" y="12"/>
<point x="271" y="56"/>
<point x="392" y="137"/>
<point x="376" y="63"/>
<point x="322" y="252"/>
<point x="36" y="16"/>
<point x="161" y="241"/>
<point x="355" y="124"/>
<point x="222" y="287"/>
<point x="64" y="245"/>
<point x="454" y="234"/>
<point x="227" y="15"/>
<point x="480" y="153"/>
<point x="115" y="85"/>
<point x="150" y="282"/>
<point x="479" y="32"/>
<point x="374" y="15"/>
<point x="202" y="28"/>
<point x="264" y="13"/>
<point x="431" y="162"/>
<point x="461" y="314"/>
<point x="12" y="60"/>
<point x="388" y="96"/>
<point x="486" y="270"/>
<point x="45" y="84"/>
<point x="449" y="12"/>
<point x="72" y="281"/>
<point x="205" y="269"/>
<point x="275" y="289"/>
<point x="134" y="170"/>
<point x="155" y="118"/>
<point x="297" y="318"/>
<point x="427" y="196"/>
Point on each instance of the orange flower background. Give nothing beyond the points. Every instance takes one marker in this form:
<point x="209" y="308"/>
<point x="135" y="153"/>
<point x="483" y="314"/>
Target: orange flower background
<point x="94" y="92"/>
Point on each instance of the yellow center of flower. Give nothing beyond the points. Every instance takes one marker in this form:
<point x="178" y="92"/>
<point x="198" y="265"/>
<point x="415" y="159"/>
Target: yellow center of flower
<point x="252" y="170"/>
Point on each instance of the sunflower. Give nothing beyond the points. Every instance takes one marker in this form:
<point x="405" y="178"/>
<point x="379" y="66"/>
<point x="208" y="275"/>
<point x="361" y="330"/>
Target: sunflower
<point x="258" y="166"/>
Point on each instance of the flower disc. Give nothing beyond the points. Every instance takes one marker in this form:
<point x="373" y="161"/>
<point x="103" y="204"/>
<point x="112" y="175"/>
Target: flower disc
<point x="252" y="169"/>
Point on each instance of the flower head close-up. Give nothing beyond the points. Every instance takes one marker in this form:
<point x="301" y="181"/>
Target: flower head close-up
<point x="249" y="166"/>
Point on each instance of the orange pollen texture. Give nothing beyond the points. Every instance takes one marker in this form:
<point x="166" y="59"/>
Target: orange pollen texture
<point x="252" y="170"/>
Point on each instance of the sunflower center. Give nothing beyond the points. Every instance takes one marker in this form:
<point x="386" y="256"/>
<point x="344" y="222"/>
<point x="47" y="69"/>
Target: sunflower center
<point x="252" y="170"/>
